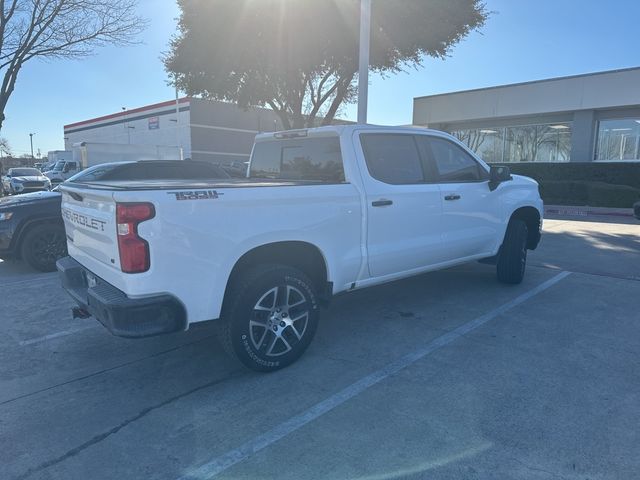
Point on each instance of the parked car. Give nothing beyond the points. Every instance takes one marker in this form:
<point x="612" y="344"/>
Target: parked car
<point x="324" y="211"/>
<point x="31" y="226"/>
<point x="24" y="180"/>
<point x="636" y="209"/>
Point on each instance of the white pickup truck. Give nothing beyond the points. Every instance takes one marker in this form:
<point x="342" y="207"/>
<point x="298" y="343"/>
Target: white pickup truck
<point x="323" y="211"/>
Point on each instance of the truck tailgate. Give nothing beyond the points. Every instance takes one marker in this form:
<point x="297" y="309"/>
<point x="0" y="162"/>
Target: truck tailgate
<point x="90" y="222"/>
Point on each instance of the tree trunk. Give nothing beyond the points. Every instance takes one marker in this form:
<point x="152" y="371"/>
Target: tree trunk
<point x="298" y="120"/>
<point x="337" y="101"/>
<point x="282" y="114"/>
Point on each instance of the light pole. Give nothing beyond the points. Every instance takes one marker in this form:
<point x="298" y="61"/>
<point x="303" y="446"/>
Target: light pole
<point x="363" y="73"/>
<point x="126" y="125"/>
<point x="31" y="140"/>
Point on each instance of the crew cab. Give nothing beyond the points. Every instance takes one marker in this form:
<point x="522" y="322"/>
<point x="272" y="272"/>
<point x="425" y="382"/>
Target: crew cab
<point x="322" y="211"/>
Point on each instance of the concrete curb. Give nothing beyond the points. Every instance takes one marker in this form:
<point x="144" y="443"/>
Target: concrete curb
<point x="587" y="211"/>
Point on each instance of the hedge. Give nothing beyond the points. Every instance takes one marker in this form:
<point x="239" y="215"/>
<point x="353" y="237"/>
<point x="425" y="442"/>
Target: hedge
<point x="593" y="194"/>
<point x="594" y="184"/>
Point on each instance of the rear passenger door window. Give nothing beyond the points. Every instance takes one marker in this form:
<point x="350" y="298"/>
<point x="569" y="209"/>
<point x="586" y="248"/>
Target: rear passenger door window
<point x="451" y="163"/>
<point x="392" y="158"/>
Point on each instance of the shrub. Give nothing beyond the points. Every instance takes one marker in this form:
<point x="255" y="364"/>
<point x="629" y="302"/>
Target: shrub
<point x="592" y="184"/>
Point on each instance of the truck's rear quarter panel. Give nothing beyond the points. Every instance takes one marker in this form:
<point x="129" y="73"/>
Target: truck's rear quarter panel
<point x="194" y="244"/>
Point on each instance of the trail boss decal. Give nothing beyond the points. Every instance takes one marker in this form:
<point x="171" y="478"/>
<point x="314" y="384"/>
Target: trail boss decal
<point x="196" y="195"/>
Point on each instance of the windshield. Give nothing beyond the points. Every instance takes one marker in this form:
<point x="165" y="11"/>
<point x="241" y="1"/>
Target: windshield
<point x="59" y="166"/>
<point x="25" y="172"/>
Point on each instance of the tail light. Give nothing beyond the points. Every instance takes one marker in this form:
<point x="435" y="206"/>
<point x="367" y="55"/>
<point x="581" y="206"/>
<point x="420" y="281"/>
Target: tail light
<point x="134" y="251"/>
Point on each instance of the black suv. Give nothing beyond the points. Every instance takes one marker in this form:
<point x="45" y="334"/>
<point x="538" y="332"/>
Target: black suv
<point x="31" y="226"/>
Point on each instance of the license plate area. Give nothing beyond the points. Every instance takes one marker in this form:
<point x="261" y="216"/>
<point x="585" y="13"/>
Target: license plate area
<point x="91" y="279"/>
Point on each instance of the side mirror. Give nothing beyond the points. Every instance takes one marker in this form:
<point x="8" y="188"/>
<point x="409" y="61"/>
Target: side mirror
<point x="497" y="175"/>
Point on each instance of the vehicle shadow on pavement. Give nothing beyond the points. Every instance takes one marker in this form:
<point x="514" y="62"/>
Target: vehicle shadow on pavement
<point x="15" y="270"/>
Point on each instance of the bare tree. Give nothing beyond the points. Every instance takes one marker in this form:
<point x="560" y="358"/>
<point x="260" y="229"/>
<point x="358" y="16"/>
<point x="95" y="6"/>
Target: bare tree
<point x="5" y="148"/>
<point x="472" y="138"/>
<point x="55" y="29"/>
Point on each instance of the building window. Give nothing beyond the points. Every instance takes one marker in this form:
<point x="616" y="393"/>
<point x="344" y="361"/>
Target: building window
<point x="618" y="140"/>
<point x="525" y="143"/>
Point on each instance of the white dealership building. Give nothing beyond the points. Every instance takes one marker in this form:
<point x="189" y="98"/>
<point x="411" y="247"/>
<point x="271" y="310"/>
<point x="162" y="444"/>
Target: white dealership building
<point x="205" y="130"/>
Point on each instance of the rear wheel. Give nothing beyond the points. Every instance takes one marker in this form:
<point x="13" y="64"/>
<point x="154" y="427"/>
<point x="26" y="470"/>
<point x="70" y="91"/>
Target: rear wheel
<point x="513" y="255"/>
<point x="270" y="317"/>
<point x="43" y="245"/>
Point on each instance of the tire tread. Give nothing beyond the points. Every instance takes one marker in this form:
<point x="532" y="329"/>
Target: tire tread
<point x="234" y="297"/>
<point x="509" y="263"/>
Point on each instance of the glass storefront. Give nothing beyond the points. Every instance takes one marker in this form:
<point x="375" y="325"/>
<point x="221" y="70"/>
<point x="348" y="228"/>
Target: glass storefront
<point x="525" y="143"/>
<point x="618" y="139"/>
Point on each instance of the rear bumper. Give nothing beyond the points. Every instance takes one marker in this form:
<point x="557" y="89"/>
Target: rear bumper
<point x="121" y="315"/>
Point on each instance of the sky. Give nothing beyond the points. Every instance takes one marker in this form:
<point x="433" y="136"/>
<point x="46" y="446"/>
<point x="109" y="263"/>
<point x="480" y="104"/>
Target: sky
<point x="523" y="40"/>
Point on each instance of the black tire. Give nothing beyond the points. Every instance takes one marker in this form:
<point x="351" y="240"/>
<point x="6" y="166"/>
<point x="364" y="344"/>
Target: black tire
<point x="270" y="317"/>
<point x="513" y="254"/>
<point x="43" y="245"/>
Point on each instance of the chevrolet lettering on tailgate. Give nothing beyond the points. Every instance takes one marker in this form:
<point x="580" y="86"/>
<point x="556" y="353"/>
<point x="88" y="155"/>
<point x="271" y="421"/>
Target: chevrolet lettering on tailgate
<point x="83" y="220"/>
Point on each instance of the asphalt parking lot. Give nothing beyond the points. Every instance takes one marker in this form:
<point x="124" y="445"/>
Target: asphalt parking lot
<point x="446" y="375"/>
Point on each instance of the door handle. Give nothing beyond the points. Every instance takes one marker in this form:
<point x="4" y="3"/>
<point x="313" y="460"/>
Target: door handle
<point x="452" y="197"/>
<point x="382" y="203"/>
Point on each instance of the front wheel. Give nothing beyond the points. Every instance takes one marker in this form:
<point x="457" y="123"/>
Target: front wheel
<point x="270" y="317"/>
<point x="513" y="254"/>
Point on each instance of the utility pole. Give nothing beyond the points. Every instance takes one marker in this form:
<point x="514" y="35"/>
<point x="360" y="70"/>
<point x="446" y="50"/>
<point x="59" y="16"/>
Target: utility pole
<point x="126" y="125"/>
<point x="363" y="73"/>
<point x="31" y="140"/>
<point x="178" y="142"/>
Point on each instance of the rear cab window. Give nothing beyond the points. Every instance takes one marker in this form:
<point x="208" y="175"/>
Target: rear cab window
<point x="313" y="159"/>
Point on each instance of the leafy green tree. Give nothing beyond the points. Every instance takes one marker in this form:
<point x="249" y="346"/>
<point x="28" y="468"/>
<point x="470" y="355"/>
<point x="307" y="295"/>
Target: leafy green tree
<point x="300" y="57"/>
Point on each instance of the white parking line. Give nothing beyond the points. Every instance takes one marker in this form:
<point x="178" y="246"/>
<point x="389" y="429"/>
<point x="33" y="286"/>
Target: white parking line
<point x="229" y="459"/>
<point x="40" y="278"/>
<point x="64" y="333"/>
